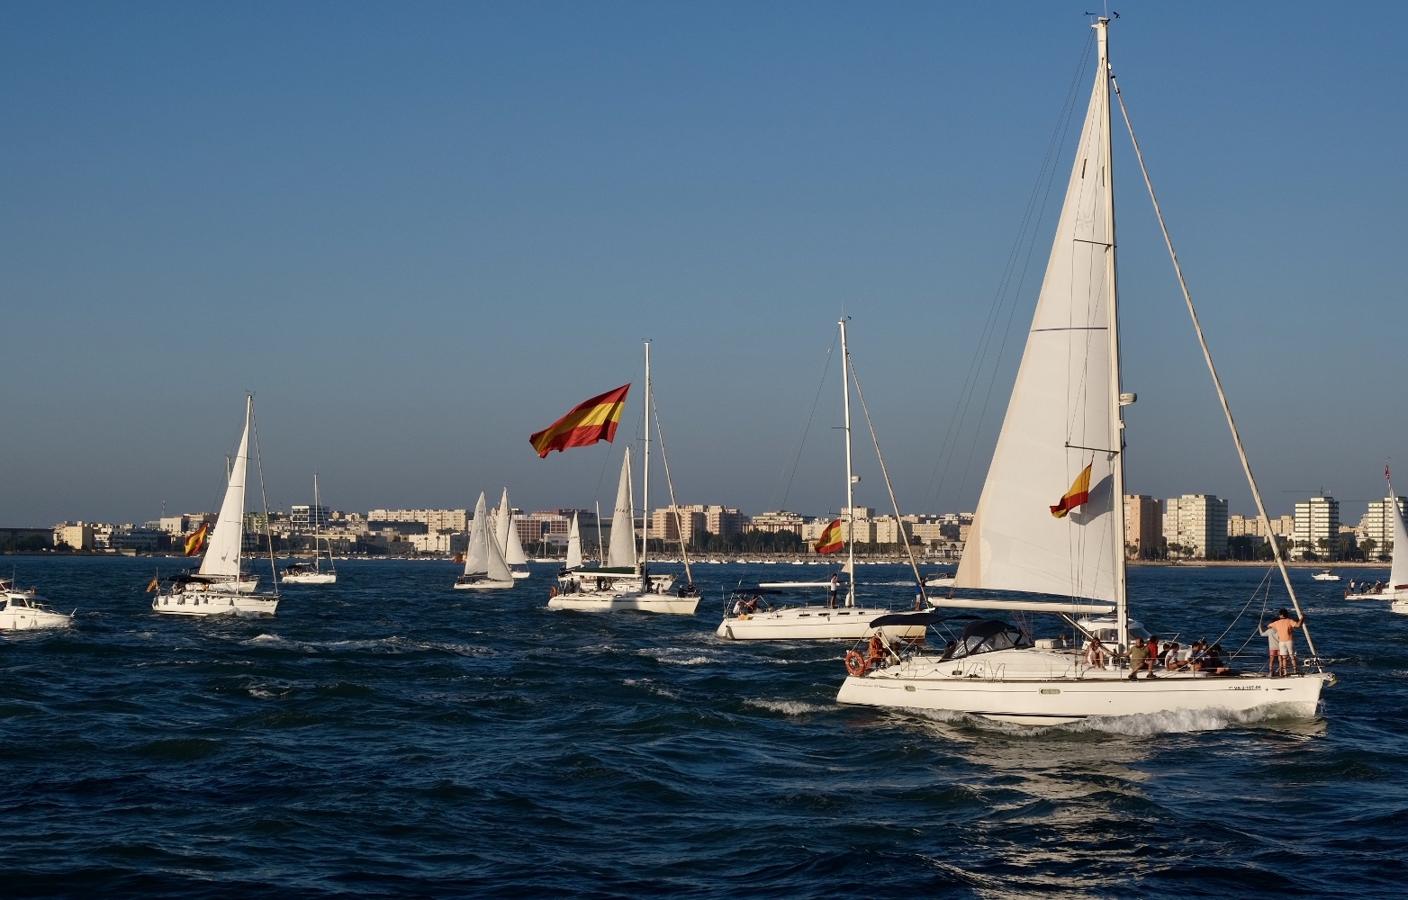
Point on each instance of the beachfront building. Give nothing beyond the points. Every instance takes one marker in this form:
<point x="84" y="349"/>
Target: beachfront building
<point x="1143" y="526"/>
<point x="1376" y="526"/>
<point x="433" y="521"/>
<point x="1317" y="527"/>
<point x="777" y="521"/>
<point x="1195" y="526"/>
<point x="74" y="535"/>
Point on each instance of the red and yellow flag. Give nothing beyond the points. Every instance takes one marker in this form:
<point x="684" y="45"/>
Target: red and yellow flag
<point x="586" y="423"/>
<point x="153" y="585"/>
<point x="830" y="540"/>
<point x="195" y="541"/>
<point x="1078" y="494"/>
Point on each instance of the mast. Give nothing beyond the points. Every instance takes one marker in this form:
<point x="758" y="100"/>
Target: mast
<point x="600" y="548"/>
<point x="850" y="477"/>
<point x="645" y="467"/>
<point x="1102" y="33"/>
<point x="317" y="532"/>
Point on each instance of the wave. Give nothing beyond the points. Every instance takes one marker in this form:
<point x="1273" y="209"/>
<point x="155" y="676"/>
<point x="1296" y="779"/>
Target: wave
<point x="788" y="707"/>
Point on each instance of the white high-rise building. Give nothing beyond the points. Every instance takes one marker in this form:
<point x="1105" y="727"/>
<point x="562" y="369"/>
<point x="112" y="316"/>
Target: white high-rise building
<point x="1377" y="526"/>
<point x="1317" y="527"/>
<point x="1196" y="525"/>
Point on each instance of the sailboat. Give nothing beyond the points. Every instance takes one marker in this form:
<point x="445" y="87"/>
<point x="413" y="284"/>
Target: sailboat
<point x="626" y="582"/>
<point x="302" y="573"/>
<point x="484" y="566"/>
<point x="1065" y="421"/>
<point x="1396" y="588"/>
<point x="509" y="542"/>
<point x="750" y="622"/>
<point x="22" y="609"/>
<point x="219" y="587"/>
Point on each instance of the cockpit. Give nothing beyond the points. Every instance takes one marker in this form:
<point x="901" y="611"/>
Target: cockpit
<point x="986" y="636"/>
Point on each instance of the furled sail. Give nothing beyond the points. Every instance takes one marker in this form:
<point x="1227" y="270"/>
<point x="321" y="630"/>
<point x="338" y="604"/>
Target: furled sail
<point x="1035" y="528"/>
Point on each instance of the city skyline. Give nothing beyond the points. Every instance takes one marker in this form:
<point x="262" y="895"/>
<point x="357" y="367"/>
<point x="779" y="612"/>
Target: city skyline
<point x="512" y="198"/>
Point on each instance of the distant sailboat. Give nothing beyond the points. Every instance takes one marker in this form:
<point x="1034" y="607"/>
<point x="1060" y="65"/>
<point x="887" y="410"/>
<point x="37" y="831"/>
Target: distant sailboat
<point x="484" y="566"/>
<point x="507" y="535"/>
<point x="219" y="587"/>
<point x="1064" y="420"/>
<point x="626" y="582"/>
<point x="1396" y="588"/>
<point x="301" y="573"/>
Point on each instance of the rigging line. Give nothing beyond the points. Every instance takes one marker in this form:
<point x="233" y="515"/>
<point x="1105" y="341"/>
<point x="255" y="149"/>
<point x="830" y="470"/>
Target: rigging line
<point x="1046" y="174"/>
<point x="263" y="497"/>
<point x="806" y="430"/>
<point x="1212" y="369"/>
<point x="669" y="482"/>
<point x="889" y="486"/>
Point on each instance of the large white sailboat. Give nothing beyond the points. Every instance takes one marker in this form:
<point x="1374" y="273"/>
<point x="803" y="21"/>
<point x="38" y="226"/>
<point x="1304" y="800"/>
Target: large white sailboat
<point x="509" y="541"/>
<point x="1396" y="588"/>
<point x="22" y="609"/>
<point x="1065" y="421"/>
<point x="846" y="622"/>
<point x="302" y="573"/>
<point x="626" y="582"/>
<point x="484" y="566"/>
<point x="219" y="587"/>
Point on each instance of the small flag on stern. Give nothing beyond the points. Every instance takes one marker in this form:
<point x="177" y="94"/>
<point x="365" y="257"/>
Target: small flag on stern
<point x="830" y="540"/>
<point x="195" y="541"/>
<point x="1078" y="494"/>
<point x="153" y="585"/>
<point x="586" y="423"/>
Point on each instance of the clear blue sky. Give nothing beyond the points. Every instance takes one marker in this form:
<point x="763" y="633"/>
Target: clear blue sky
<point x="422" y="231"/>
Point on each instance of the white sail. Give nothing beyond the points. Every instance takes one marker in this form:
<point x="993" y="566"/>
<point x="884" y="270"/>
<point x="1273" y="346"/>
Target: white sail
<point x="476" y="557"/>
<point x="502" y="522"/>
<point x="495" y="567"/>
<point x="1398" y="575"/>
<point x="513" y="550"/>
<point x="222" y="555"/>
<point x="1060" y="419"/>
<point x="574" y="545"/>
<point x="622" y="551"/>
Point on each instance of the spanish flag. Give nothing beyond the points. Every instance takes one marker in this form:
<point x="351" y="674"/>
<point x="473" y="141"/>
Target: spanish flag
<point x="586" y="423"/>
<point x="153" y="585"/>
<point x="1078" y="494"/>
<point x="830" y="540"/>
<point x="195" y="541"/>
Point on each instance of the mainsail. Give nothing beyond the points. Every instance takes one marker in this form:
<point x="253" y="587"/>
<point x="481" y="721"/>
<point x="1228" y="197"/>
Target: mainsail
<point x="1398" y="575"/>
<point x="574" y="546"/>
<point x="476" y="557"/>
<point x="222" y="556"/>
<point x="1061" y="417"/>
<point x="622" y="552"/>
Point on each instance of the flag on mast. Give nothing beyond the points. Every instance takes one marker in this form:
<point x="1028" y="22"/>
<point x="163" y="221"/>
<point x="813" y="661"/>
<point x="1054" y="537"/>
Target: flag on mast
<point x="195" y="541"/>
<point x="586" y="423"/>
<point x="1078" y="494"/>
<point x="830" y="540"/>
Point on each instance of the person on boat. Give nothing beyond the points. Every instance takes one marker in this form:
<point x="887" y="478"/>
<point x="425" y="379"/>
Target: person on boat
<point x="1175" y="657"/>
<point x="1284" y="627"/>
<point x="644" y="579"/>
<point x="1095" y="653"/>
<point x="739" y="608"/>
<point x="1151" y="654"/>
<point x="1137" y="654"/>
<point x="1273" y="649"/>
<point x="832" y="590"/>
<point x="875" y="653"/>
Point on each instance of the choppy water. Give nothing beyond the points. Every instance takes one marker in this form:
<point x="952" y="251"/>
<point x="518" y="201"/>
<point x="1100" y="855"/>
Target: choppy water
<point x="388" y="736"/>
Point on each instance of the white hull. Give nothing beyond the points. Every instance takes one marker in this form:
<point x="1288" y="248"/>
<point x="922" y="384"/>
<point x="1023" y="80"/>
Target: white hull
<point x="1397" y="596"/>
<point x="519" y="574"/>
<point x="1040" y="687"/>
<point x="1326" y="577"/>
<point x="600" y="602"/>
<point x="939" y="581"/>
<point x="1400" y="606"/>
<point x="309" y="578"/>
<point x="23" y="610"/>
<point x="587" y="581"/>
<point x="483" y="584"/>
<point x="212" y="603"/>
<point x="811" y="623"/>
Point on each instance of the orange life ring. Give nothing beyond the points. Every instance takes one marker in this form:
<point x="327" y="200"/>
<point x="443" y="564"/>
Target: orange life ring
<point x="856" y="664"/>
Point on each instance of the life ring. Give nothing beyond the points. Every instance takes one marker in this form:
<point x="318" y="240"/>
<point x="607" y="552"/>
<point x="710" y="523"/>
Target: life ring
<point x="552" y="591"/>
<point x="856" y="664"/>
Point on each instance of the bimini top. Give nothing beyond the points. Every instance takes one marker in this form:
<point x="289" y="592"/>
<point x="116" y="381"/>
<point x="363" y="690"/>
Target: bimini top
<point x="985" y="637"/>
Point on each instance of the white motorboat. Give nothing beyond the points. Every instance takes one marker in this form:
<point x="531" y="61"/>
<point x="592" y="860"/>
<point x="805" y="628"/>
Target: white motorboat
<point x="939" y="580"/>
<point x="1325" y="575"/>
<point x="302" y="573"/>
<point x="751" y="619"/>
<point x="1396" y="588"/>
<point x="220" y="587"/>
<point x="626" y="582"/>
<point x="484" y="566"/>
<point x="509" y="542"/>
<point x="22" y="609"/>
<point x="1065" y="419"/>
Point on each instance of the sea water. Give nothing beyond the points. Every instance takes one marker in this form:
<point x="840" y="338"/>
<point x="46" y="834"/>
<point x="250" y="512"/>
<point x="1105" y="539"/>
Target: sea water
<point x="390" y="736"/>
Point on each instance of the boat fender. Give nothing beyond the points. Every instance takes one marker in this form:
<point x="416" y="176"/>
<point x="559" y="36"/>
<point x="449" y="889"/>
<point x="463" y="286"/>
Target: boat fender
<point x="856" y="664"/>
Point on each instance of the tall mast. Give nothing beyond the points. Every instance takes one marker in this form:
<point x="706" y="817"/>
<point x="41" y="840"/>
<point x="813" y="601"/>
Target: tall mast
<point x="1102" y="30"/>
<point x="850" y="478"/>
<point x="645" y="466"/>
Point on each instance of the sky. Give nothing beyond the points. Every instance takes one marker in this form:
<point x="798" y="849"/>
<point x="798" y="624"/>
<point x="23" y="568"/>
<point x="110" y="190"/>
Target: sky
<point x="420" y="232"/>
